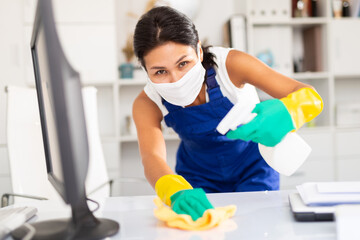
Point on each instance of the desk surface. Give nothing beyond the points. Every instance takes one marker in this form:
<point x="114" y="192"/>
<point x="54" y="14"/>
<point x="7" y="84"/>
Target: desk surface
<point x="260" y="215"/>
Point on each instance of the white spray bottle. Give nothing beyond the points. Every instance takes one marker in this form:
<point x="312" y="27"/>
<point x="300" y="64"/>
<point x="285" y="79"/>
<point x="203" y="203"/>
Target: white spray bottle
<point x="286" y="157"/>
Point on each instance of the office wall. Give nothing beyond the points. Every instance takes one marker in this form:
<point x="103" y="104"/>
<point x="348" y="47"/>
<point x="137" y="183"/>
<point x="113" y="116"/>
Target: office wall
<point x="11" y="71"/>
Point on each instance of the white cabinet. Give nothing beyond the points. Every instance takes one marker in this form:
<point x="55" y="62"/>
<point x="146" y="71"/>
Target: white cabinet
<point x="348" y="169"/>
<point x="278" y="40"/>
<point x="348" y="154"/>
<point x="345" y="34"/>
<point x="348" y="143"/>
<point x="333" y="44"/>
<point x="321" y="142"/>
<point x="265" y="9"/>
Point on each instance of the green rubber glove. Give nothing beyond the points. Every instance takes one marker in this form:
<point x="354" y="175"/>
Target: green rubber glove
<point x="191" y="201"/>
<point x="272" y="123"/>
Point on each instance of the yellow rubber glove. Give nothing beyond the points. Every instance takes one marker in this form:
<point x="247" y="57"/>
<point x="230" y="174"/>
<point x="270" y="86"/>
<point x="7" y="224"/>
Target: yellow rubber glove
<point x="169" y="184"/>
<point x="176" y="192"/>
<point x="303" y="105"/>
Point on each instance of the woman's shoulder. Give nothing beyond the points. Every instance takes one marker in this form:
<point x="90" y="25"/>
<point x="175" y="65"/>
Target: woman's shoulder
<point x="227" y="58"/>
<point x="220" y="52"/>
<point x="152" y="94"/>
<point x="143" y="105"/>
<point x="229" y="82"/>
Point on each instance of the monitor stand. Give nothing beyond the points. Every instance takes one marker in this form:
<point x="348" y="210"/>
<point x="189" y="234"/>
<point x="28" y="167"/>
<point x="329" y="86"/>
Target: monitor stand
<point x="82" y="225"/>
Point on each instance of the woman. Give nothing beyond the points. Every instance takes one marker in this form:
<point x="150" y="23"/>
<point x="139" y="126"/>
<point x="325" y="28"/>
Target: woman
<point x="192" y="88"/>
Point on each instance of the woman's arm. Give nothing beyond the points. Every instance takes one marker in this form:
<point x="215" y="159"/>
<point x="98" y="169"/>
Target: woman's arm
<point x="294" y="103"/>
<point x="172" y="189"/>
<point x="147" y="117"/>
<point x="244" y="68"/>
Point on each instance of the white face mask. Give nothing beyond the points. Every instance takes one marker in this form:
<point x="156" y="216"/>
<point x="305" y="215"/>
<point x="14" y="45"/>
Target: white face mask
<point x="184" y="91"/>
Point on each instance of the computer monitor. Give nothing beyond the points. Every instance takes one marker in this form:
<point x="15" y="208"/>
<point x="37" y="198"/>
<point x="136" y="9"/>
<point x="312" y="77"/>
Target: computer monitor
<point x="64" y="134"/>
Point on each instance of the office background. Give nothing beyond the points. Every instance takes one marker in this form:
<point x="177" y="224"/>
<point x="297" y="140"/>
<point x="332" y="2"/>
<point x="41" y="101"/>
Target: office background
<point x="94" y="34"/>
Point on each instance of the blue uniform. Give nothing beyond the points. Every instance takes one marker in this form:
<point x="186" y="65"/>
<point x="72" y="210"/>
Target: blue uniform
<point x="209" y="160"/>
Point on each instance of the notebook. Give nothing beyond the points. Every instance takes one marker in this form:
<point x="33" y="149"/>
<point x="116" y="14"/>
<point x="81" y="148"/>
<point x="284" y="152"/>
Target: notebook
<point x="316" y="201"/>
<point x="329" y="193"/>
<point x="302" y="213"/>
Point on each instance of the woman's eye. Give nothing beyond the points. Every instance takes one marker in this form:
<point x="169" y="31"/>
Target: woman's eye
<point x="160" y="72"/>
<point x="183" y="64"/>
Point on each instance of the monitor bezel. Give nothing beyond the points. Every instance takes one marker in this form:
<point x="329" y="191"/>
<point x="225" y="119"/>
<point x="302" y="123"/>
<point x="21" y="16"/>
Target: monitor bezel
<point x="73" y="186"/>
<point x="52" y="178"/>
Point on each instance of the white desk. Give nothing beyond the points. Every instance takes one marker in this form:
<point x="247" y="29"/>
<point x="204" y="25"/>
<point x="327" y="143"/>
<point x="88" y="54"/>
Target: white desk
<point x="260" y="215"/>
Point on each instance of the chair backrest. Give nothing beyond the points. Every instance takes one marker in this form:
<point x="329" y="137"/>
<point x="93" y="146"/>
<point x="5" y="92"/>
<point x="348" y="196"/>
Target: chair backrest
<point x="97" y="173"/>
<point x="26" y="151"/>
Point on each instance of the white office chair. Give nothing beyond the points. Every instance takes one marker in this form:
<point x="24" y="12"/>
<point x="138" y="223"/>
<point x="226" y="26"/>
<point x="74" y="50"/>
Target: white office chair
<point x="26" y="151"/>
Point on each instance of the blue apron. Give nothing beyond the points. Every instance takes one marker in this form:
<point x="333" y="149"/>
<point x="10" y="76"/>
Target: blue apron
<point x="209" y="160"/>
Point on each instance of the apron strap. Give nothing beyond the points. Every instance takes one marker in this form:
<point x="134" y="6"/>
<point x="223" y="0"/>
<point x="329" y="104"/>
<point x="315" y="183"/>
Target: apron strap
<point x="213" y="87"/>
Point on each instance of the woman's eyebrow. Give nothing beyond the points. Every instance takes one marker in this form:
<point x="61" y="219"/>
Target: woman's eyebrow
<point x="179" y="60"/>
<point x="157" y="67"/>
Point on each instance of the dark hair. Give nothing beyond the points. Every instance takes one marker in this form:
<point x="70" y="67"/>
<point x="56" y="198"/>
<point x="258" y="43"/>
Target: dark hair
<point x="165" y="24"/>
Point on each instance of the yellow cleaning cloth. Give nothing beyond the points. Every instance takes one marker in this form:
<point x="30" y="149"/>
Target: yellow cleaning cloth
<point x="210" y="219"/>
